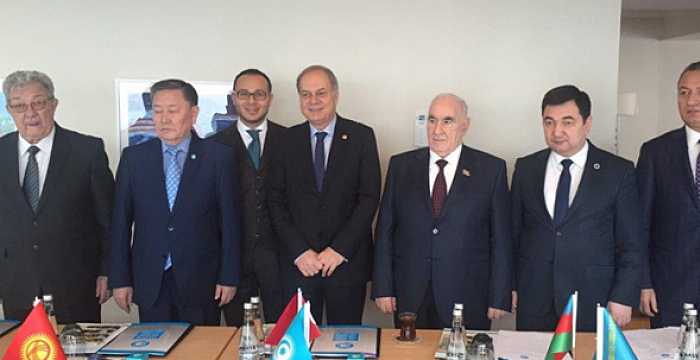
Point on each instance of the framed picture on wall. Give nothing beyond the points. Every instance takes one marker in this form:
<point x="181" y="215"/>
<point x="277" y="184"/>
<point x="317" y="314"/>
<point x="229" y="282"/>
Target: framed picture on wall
<point x="135" y="111"/>
<point x="6" y="123"/>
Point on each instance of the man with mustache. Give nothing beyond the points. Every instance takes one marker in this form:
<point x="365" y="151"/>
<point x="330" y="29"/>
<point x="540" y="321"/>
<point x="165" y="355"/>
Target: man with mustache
<point x="443" y="232"/>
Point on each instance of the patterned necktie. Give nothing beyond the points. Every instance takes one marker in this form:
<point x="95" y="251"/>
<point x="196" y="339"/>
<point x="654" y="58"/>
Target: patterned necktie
<point x="319" y="160"/>
<point x="439" y="189"/>
<point x="254" y="148"/>
<point x="31" y="179"/>
<point x="172" y="176"/>
<point x="561" y="204"/>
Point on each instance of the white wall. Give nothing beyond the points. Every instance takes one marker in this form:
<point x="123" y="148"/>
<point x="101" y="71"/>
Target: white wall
<point x="650" y="68"/>
<point x="391" y="57"/>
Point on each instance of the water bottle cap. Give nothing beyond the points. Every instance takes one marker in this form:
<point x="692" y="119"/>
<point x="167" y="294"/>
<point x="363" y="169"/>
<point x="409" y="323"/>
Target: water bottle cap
<point x="247" y="306"/>
<point x="692" y="312"/>
<point x="459" y="306"/>
<point x="688" y="306"/>
<point x="47" y="297"/>
<point x="457" y="312"/>
<point x="255" y="300"/>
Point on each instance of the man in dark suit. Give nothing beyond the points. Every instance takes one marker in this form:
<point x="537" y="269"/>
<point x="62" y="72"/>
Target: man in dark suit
<point x="669" y="185"/>
<point x="323" y="192"/>
<point x="575" y="222"/>
<point x="255" y="139"/>
<point x="443" y="233"/>
<point x="180" y="194"/>
<point x="56" y="190"/>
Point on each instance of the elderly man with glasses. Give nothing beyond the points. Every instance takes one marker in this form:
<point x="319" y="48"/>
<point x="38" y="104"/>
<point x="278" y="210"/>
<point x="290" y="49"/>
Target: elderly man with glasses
<point x="56" y="190"/>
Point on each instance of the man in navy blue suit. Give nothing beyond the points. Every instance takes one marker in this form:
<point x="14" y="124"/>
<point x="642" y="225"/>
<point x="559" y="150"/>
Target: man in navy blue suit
<point x="669" y="184"/>
<point x="443" y="233"/>
<point x="575" y="222"/>
<point x="181" y="197"/>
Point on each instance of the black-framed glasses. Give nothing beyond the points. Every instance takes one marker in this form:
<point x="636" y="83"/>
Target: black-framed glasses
<point x="36" y="105"/>
<point x="258" y="95"/>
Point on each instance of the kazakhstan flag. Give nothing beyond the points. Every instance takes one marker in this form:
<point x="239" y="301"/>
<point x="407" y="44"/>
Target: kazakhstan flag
<point x="610" y="342"/>
<point x="293" y="344"/>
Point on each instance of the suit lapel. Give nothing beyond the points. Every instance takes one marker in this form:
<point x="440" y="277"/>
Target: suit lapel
<point x="306" y="163"/>
<point x="421" y="172"/>
<point x="339" y="144"/>
<point x="680" y="156"/>
<point x="538" y="187"/>
<point x="194" y="157"/>
<point x="60" y="152"/>
<point x="9" y="159"/>
<point x="461" y="181"/>
<point x="270" y="139"/>
<point x="586" y="188"/>
<point x="154" y="160"/>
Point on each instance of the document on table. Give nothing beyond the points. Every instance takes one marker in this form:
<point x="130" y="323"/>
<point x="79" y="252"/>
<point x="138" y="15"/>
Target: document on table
<point x="653" y="344"/>
<point x="519" y="345"/>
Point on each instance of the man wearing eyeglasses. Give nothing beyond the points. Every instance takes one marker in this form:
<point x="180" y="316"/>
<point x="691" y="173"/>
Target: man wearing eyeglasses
<point x="256" y="140"/>
<point x="56" y="189"/>
<point x="443" y="231"/>
<point x="323" y="192"/>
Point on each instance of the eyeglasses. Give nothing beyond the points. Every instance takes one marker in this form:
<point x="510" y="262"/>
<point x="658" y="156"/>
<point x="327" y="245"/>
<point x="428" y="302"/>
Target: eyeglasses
<point x="245" y="95"/>
<point x="36" y="105"/>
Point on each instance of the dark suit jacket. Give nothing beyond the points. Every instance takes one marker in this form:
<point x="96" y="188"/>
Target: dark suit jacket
<point x="466" y="252"/>
<point x="62" y="249"/>
<point x="341" y="215"/>
<point x="202" y="233"/>
<point x="256" y="221"/>
<point x="671" y="225"/>
<point x="598" y="248"/>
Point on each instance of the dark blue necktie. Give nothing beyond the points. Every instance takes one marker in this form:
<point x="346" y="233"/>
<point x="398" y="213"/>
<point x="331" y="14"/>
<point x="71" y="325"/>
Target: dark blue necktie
<point x="561" y="204"/>
<point x="319" y="160"/>
<point x="31" y="179"/>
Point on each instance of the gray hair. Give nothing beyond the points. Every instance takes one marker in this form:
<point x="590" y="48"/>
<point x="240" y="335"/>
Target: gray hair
<point x="327" y="71"/>
<point x="462" y="104"/>
<point x="23" y="77"/>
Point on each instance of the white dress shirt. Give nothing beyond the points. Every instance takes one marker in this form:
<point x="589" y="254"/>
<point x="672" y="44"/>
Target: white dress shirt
<point x="42" y="157"/>
<point x="449" y="170"/>
<point x="693" y="148"/>
<point x="247" y="139"/>
<point x="553" y="172"/>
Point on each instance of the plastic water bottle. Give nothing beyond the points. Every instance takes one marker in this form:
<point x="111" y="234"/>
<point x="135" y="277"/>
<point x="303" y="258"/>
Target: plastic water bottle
<point x="50" y="312"/>
<point x="456" y="349"/>
<point x="248" y="347"/>
<point x="684" y="322"/>
<point x="258" y="320"/>
<point x="689" y="344"/>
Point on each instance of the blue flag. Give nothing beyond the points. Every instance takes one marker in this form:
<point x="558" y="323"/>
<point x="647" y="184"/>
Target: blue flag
<point x="293" y="344"/>
<point x="611" y="344"/>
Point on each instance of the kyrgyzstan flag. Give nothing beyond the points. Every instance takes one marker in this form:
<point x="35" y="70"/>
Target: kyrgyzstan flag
<point x="35" y="339"/>
<point x="295" y="305"/>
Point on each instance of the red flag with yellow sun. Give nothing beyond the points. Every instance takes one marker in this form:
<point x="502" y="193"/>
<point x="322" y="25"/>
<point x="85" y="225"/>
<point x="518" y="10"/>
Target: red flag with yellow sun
<point x="35" y="339"/>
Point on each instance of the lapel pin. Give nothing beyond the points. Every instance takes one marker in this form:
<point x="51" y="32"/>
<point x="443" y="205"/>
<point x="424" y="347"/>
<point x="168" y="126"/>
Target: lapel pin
<point x="466" y="172"/>
<point x="193" y="156"/>
<point x="596" y="166"/>
<point x="344" y="136"/>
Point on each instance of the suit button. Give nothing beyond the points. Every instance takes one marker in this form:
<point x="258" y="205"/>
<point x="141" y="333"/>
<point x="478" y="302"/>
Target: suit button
<point x="35" y="223"/>
<point x="171" y="228"/>
<point x="436" y="231"/>
<point x="35" y="247"/>
<point x="558" y="233"/>
<point x="257" y="236"/>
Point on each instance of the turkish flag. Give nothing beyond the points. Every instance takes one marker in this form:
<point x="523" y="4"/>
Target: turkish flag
<point x="296" y="304"/>
<point x="35" y="339"/>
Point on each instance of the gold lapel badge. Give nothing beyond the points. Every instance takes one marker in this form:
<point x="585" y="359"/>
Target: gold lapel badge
<point x="344" y="136"/>
<point x="466" y="172"/>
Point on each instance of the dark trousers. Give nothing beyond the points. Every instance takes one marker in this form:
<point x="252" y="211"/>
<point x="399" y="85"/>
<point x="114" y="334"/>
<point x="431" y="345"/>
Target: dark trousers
<point x="543" y="322"/>
<point x="344" y="304"/>
<point x="271" y="297"/>
<point x="426" y="316"/>
<point x="168" y="308"/>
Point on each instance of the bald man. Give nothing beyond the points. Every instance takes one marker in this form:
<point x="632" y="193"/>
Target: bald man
<point x="443" y="233"/>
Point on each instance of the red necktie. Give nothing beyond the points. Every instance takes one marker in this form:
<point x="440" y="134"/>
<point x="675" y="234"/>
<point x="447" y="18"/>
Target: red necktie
<point x="439" y="189"/>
